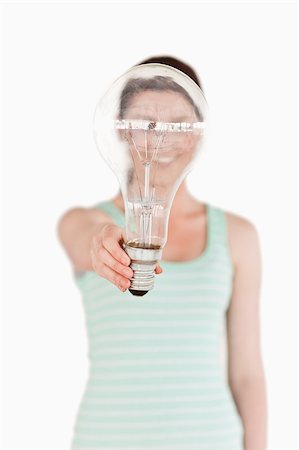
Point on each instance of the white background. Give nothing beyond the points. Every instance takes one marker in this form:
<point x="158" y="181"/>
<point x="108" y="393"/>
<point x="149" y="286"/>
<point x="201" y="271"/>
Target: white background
<point x="59" y="59"/>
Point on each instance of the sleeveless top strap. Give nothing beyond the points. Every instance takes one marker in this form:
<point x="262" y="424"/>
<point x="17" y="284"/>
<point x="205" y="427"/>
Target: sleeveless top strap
<point x="218" y="224"/>
<point x="219" y="231"/>
<point x="115" y="213"/>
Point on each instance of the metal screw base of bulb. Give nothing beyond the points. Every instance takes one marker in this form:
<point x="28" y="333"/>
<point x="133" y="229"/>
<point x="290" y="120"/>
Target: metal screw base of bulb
<point x="143" y="264"/>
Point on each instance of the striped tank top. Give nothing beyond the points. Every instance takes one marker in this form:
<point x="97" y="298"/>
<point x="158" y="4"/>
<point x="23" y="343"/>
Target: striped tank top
<point x="157" y="374"/>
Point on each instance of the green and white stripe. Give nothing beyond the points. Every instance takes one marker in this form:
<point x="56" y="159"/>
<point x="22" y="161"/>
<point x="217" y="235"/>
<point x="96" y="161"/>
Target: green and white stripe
<point x="156" y="378"/>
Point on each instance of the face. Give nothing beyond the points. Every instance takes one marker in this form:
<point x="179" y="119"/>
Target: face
<point x="167" y="152"/>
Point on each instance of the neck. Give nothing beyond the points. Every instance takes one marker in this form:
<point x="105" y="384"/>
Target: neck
<point x="183" y="202"/>
<point x="182" y="198"/>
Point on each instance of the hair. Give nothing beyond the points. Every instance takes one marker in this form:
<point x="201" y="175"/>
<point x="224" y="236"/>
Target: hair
<point x="176" y="64"/>
<point x="159" y="83"/>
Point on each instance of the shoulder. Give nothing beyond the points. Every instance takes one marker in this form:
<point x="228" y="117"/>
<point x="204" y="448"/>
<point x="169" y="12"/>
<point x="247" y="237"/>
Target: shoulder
<point x="243" y="238"/>
<point x="87" y="213"/>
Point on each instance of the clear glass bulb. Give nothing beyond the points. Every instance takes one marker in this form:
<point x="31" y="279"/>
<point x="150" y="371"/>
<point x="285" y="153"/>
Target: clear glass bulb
<point x="149" y="127"/>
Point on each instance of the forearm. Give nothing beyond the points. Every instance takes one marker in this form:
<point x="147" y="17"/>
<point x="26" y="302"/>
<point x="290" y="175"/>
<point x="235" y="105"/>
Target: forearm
<point x="251" y="401"/>
<point x="76" y="230"/>
<point x="79" y="249"/>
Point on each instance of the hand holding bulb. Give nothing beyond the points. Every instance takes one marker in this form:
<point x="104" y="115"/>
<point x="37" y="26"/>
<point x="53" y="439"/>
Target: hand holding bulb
<point x="108" y="258"/>
<point x="149" y="127"/>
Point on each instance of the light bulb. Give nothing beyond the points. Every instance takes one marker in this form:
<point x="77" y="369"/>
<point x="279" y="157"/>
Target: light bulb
<point x="149" y="127"/>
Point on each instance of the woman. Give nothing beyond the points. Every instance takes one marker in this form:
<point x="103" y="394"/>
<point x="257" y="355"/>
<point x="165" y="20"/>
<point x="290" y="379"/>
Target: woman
<point x="154" y="383"/>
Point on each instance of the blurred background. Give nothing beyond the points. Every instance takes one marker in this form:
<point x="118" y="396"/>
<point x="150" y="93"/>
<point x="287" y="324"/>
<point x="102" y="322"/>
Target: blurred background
<point x="58" y="60"/>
